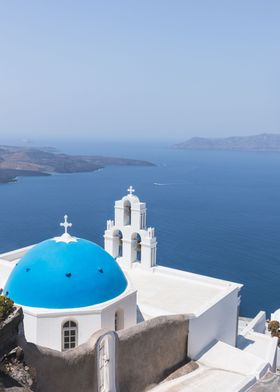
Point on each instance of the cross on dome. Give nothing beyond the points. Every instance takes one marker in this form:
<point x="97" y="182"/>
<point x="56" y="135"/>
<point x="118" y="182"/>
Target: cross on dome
<point x="131" y="190"/>
<point x="65" y="237"/>
<point x="66" y="224"/>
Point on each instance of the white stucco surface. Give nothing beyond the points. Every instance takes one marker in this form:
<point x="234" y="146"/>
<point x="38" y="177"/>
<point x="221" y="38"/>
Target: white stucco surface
<point x="218" y="322"/>
<point x="231" y="359"/>
<point x="44" y="326"/>
<point x="210" y="380"/>
<point x="5" y="270"/>
<point x="205" y="301"/>
<point x="255" y="339"/>
<point x="222" y="368"/>
<point x="275" y="315"/>
<point x="210" y="305"/>
<point x="163" y="291"/>
<point x="259" y="344"/>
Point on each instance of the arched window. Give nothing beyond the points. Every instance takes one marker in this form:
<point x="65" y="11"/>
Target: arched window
<point x="120" y="244"/>
<point x="69" y="335"/>
<point x="119" y="320"/>
<point x="117" y="243"/>
<point x="136" y="247"/>
<point x="127" y="213"/>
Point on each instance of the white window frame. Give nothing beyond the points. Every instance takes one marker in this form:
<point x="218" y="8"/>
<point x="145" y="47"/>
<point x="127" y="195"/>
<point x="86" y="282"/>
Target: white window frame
<point x="69" y="332"/>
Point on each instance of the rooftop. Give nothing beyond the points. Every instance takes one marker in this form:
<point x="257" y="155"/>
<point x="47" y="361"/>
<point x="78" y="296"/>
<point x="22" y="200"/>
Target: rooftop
<point x="199" y="292"/>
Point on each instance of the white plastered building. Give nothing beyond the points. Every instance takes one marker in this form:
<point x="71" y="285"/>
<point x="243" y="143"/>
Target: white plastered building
<point x="73" y="290"/>
<point x="68" y="288"/>
<point x="167" y="291"/>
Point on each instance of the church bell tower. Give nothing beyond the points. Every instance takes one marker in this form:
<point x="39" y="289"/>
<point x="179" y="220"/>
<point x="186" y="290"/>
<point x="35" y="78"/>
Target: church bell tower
<point x="127" y="238"/>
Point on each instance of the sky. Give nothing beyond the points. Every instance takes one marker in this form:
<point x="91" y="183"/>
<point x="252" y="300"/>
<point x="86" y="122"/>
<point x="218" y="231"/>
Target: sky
<point x="131" y="70"/>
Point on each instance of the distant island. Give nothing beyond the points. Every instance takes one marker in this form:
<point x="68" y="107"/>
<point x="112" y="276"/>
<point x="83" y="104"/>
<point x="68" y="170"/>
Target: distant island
<point x="262" y="142"/>
<point x="26" y="161"/>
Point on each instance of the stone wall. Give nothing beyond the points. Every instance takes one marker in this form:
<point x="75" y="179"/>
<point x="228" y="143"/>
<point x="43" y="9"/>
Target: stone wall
<point x="9" y="331"/>
<point x="70" y="371"/>
<point x="145" y="354"/>
<point x="148" y="352"/>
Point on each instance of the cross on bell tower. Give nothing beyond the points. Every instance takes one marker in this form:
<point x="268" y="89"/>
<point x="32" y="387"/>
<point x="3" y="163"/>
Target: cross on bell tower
<point x="127" y="237"/>
<point x="130" y="190"/>
<point x="66" y="224"/>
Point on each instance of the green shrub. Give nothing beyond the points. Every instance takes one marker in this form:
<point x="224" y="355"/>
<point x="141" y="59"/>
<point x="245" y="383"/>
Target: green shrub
<point x="274" y="329"/>
<point x="273" y="326"/>
<point x="6" y="307"/>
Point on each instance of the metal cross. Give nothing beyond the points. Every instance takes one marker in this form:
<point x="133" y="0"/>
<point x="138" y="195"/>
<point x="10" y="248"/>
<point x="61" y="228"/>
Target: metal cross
<point x="131" y="190"/>
<point x="66" y="224"/>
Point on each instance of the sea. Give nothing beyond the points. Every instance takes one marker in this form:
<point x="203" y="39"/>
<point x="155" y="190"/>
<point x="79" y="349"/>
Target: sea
<point x="215" y="213"/>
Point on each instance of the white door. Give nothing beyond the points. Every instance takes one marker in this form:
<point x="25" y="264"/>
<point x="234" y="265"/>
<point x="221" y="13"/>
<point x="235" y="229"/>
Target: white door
<point x="106" y="364"/>
<point x="101" y="364"/>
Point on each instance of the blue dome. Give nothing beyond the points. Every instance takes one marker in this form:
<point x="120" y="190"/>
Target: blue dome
<point x="59" y="275"/>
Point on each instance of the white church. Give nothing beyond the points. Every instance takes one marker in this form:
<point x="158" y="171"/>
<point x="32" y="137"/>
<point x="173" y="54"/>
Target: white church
<point x="70" y="287"/>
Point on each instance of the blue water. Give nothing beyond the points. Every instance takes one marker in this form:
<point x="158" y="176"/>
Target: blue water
<point x="215" y="213"/>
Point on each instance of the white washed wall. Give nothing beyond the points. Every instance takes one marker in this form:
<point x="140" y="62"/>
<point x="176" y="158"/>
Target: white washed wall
<point x="127" y="305"/>
<point x="217" y="323"/>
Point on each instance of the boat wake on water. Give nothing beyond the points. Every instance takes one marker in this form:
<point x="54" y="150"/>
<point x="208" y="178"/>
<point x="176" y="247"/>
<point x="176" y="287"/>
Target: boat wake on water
<point x="167" y="184"/>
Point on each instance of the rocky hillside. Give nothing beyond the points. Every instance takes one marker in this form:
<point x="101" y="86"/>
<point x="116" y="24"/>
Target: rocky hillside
<point x="15" y="375"/>
<point x="262" y="142"/>
<point x="21" y="161"/>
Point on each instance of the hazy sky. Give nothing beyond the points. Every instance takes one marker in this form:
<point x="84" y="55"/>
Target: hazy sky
<point x="157" y="68"/>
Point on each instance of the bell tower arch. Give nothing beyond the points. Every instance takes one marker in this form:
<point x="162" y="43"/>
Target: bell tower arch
<point x="138" y="243"/>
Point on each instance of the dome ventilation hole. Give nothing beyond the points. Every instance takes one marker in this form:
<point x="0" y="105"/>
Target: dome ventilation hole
<point x="100" y="270"/>
<point x="27" y="269"/>
<point x="68" y="274"/>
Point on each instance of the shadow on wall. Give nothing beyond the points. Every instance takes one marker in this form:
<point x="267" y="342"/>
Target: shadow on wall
<point x="148" y="352"/>
<point x="143" y="355"/>
<point x="71" y="371"/>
